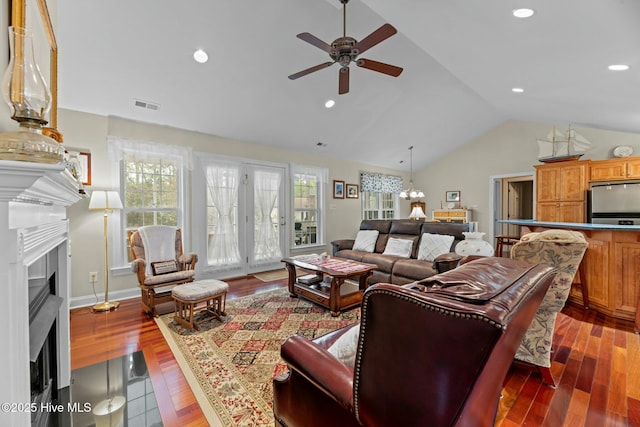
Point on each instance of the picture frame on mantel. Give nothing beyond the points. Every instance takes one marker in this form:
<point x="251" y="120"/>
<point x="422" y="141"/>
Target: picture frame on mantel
<point x="338" y="189"/>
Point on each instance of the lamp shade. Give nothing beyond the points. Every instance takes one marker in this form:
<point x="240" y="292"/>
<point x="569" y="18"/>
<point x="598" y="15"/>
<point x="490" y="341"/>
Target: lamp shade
<point x="417" y="213"/>
<point x="101" y="200"/>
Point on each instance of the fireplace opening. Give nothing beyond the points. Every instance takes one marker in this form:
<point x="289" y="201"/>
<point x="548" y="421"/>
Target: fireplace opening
<point x="44" y="306"/>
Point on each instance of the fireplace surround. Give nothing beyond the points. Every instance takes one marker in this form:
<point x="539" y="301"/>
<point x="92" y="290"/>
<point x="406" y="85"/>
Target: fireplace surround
<point x="34" y="256"/>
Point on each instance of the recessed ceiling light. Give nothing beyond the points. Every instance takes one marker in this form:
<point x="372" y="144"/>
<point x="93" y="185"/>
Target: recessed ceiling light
<point x="330" y="103"/>
<point x="618" y="67"/>
<point x="200" y="56"/>
<point x="517" y="90"/>
<point x="523" y="13"/>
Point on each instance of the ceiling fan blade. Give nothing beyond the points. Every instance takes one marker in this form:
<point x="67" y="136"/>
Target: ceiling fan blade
<point x="343" y="81"/>
<point x="311" y="39"/>
<point x="381" y="34"/>
<point x="380" y="67"/>
<point x="310" y="70"/>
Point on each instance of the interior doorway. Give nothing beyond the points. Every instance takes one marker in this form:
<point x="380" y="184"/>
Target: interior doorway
<point x="517" y="202"/>
<point x="513" y="197"/>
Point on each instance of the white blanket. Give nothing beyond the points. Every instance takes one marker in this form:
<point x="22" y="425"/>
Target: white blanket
<point x="159" y="244"/>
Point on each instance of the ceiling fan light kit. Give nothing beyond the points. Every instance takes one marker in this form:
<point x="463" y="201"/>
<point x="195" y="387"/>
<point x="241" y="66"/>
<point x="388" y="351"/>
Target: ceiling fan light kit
<point x="345" y="50"/>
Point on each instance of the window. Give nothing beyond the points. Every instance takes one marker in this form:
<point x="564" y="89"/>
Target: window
<point x="150" y="189"/>
<point x="151" y="180"/>
<point x="308" y="206"/>
<point x="379" y="195"/>
<point x="379" y="205"/>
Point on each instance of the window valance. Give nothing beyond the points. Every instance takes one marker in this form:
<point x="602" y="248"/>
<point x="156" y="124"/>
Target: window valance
<point x="147" y="150"/>
<point x="379" y="183"/>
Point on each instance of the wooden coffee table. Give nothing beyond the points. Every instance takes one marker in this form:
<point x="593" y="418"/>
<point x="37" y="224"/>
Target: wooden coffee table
<point x="327" y="286"/>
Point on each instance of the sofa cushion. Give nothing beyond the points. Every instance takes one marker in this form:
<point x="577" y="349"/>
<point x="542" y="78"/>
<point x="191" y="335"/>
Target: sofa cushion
<point x="413" y="269"/>
<point x="432" y="245"/>
<point x="366" y="240"/>
<point x="384" y="262"/>
<point x="406" y="226"/>
<point x="382" y="225"/>
<point x="350" y="254"/>
<point x="398" y="247"/>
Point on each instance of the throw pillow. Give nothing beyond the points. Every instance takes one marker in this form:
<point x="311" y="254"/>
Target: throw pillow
<point x="432" y="245"/>
<point x="398" y="247"/>
<point x="366" y="240"/>
<point x="164" y="267"/>
<point x="344" y="348"/>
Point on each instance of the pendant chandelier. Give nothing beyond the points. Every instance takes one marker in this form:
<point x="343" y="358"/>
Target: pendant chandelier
<point x="411" y="193"/>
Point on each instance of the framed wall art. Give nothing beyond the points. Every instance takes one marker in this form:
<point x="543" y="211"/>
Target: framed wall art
<point x="352" y="191"/>
<point x="338" y="189"/>
<point x="453" y="196"/>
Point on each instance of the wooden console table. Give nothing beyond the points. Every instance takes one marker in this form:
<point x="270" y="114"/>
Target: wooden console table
<point x="329" y="294"/>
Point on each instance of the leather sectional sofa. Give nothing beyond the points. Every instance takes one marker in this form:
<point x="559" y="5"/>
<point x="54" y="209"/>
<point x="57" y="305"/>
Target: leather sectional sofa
<point x="395" y="269"/>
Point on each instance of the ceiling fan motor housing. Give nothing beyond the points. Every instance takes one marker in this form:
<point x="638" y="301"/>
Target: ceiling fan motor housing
<point x="342" y="50"/>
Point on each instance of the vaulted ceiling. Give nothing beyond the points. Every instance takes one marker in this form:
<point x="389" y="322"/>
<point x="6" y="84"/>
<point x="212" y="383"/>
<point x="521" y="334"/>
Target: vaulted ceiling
<point x="461" y="60"/>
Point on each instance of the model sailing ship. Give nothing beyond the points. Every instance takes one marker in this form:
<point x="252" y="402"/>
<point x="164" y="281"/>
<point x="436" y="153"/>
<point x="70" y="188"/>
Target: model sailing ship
<point x="559" y="147"/>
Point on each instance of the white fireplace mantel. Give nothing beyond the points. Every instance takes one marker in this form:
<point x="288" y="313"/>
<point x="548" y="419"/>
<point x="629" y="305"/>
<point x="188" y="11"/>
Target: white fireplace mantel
<point x="33" y="202"/>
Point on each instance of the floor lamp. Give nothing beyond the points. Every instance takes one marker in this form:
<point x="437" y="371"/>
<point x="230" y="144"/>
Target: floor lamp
<point x="106" y="201"/>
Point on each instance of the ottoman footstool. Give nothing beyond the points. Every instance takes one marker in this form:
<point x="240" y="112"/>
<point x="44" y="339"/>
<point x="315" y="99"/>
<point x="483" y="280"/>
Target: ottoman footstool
<point x="187" y="297"/>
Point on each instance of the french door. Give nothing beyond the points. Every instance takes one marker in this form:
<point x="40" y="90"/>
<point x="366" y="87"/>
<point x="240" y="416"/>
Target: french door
<point x="245" y="217"/>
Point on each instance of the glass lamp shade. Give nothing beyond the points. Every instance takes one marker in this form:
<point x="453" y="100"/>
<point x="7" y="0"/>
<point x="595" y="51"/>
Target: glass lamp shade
<point x="23" y="86"/>
<point x="28" y="96"/>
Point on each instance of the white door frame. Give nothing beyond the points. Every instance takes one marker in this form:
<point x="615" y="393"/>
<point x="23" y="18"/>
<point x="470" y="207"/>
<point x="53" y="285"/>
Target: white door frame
<point x="199" y="211"/>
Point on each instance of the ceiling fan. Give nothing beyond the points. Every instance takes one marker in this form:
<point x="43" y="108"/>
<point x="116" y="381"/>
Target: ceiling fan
<point x="345" y="50"/>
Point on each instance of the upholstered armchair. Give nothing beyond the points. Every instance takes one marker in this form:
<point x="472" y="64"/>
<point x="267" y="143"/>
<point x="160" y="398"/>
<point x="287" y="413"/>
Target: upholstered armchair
<point x="159" y="263"/>
<point x="563" y="250"/>
<point x="431" y="353"/>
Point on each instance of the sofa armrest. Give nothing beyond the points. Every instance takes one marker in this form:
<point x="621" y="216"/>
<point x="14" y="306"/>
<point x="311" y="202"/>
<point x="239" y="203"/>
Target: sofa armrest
<point x="339" y="245"/>
<point x="320" y="368"/>
<point x="446" y="262"/>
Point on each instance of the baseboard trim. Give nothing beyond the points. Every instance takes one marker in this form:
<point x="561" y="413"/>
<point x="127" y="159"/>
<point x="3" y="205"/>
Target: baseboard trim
<point x="90" y="300"/>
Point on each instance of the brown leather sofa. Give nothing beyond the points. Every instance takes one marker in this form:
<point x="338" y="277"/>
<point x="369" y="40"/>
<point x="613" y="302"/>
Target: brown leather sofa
<point x="393" y="269"/>
<point x="433" y="353"/>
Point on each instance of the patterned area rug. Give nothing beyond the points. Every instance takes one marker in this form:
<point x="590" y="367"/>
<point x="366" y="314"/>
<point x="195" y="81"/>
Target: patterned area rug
<point x="230" y="364"/>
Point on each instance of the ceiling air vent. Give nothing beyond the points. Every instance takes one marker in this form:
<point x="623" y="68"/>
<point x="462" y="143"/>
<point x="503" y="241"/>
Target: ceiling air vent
<point x="146" y="104"/>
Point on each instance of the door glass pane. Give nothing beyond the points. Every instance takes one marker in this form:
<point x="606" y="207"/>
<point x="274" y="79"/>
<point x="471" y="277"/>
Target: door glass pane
<point x="266" y="216"/>
<point x="222" y="215"/>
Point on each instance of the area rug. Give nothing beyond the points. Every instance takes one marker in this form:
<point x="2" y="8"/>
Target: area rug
<point x="269" y="276"/>
<point x="230" y="365"/>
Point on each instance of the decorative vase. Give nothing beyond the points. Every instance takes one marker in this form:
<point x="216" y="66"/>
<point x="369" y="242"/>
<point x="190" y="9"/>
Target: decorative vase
<point x="28" y="96"/>
<point x="473" y="244"/>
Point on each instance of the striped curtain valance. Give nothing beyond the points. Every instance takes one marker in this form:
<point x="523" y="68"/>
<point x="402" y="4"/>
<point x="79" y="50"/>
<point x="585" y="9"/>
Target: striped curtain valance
<point x="379" y="183"/>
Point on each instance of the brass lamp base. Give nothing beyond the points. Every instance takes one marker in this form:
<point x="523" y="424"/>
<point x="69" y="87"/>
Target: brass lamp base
<point x="106" y="306"/>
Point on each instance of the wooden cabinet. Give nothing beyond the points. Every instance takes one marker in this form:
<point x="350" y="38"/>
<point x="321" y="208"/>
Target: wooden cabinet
<point x="561" y="191"/>
<point x="451" y="215"/>
<point x="626" y="276"/>
<point x="614" y="169"/>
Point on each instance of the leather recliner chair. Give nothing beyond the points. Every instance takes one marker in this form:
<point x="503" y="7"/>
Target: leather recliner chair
<point x="431" y="353"/>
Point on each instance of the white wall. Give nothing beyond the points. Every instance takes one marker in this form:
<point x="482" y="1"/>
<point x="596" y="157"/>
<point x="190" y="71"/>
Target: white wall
<point x="507" y="149"/>
<point x="88" y="131"/>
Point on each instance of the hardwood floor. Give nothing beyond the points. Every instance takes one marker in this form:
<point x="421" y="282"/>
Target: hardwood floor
<point x="596" y="366"/>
